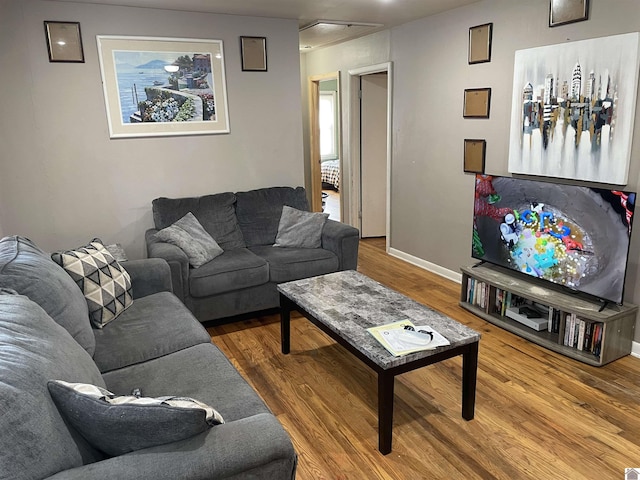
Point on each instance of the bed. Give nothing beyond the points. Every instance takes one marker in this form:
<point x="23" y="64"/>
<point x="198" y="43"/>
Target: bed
<point x="330" y="173"/>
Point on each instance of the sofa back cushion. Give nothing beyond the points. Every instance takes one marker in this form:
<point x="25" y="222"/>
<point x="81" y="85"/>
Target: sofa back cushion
<point x="36" y="442"/>
<point x="31" y="272"/>
<point x="259" y="212"/>
<point x="216" y="213"/>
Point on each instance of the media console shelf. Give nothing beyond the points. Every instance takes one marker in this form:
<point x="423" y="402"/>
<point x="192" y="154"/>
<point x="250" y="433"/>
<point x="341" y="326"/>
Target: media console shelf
<point x="577" y="328"/>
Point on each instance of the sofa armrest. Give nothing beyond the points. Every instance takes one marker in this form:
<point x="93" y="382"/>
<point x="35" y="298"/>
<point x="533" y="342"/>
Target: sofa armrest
<point x="343" y="240"/>
<point x="175" y="257"/>
<point x="148" y="276"/>
<point x="252" y="447"/>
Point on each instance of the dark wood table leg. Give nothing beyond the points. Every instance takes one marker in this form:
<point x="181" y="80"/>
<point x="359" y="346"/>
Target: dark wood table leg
<point x="469" y="377"/>
<point x="385" y="411"/>
<point x="285" y="323"/>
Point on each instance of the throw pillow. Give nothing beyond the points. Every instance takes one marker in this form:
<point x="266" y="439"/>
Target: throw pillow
<point x="106" y="285"/>
<point x="192" y="239"/>
<point x="216" y="213"/>
<point x="117" y="251"/>
<point x="300" y="229"/>
<point x="120" y="424"/>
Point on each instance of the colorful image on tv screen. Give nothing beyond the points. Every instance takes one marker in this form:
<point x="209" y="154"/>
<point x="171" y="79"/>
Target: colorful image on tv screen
<point x="574" y="236"/>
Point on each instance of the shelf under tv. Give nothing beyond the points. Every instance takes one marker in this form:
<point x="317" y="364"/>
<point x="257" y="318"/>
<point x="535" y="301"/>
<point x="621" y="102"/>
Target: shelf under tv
<point x="616" y="322"/>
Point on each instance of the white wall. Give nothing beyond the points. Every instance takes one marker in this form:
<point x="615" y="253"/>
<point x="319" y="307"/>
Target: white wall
<point x="431" y="196"/>
<point x="63" y="181"/>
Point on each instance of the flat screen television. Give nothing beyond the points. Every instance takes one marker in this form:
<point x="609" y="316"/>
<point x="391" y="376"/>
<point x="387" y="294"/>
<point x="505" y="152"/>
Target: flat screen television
<point x="573" y="236"/>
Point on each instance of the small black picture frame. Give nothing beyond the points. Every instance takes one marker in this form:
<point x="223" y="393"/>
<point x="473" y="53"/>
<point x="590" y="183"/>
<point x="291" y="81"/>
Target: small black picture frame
<point x="475" y="150"/>
<point x="562" y="12"/>
<point x="253" y="51"/>
<point x="64" y="41"/>
<point x="480" y="43"/>
<point x="477" y="103"/>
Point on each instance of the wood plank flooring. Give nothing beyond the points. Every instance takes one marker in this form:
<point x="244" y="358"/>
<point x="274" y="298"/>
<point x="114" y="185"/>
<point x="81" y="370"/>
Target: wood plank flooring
<point x="539" y="415"/>
<point x="332" y="204"/>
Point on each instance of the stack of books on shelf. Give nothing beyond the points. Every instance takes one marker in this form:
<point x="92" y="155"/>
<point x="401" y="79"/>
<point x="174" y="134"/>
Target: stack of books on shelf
<point x="555" y="320"/>
<point x="506" y="300"/>
<point x="583" y="335"/>
<point x="478" y="293"/>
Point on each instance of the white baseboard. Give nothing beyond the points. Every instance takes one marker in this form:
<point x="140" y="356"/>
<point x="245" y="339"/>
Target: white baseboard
<point x="457" y="277"/>
<point x="431" y="267"/>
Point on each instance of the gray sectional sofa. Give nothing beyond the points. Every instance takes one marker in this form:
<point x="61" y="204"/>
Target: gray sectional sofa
<point x="245" y="224"/>
<point x="155" y="346"/>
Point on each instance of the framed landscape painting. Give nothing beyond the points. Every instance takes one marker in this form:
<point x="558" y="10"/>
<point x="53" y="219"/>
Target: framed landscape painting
<point x="157" y="86"/>
<point x="573" y="109"/>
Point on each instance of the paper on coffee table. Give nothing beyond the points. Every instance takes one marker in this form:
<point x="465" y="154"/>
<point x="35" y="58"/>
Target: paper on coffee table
<point x="401" y="341"/>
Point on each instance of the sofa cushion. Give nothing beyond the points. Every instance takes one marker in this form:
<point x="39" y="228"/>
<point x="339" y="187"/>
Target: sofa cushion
<point x="104" y="283"/>
<point x="31" y="272"/>
<point x="287" y="264"/>
<point x="201" y="372"/>
<point x="233" y="270"/>
<point x="155" y="325"/>
<point x="259" y="212"/>
<point x="300" y="229"/>
<point x="35" y="440"/>
<point x="120" y="424"/>
<point x="216" y="213"/>
<point x="192" y="239"/>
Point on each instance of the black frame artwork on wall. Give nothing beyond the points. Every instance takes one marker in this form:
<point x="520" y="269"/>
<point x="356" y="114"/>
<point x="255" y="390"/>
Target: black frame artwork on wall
<point x="474" y="155"/>
<point x="562" y="12"/>
<point x="480" y="43"/>
<point x="477" y="102"/>
<point x="253" y="51"/>
<point x="64" y="42"/>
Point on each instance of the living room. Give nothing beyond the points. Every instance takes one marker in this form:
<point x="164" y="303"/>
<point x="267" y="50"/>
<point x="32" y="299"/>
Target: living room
<point x="64" y="181"/>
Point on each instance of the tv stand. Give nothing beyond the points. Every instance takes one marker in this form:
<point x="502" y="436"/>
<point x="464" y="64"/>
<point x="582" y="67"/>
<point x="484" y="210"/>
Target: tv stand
<point x="590" y="332"/>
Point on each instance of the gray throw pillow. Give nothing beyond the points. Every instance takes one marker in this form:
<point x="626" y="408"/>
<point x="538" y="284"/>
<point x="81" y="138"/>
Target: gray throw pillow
<point x="216" y="213"/>
<point x="192" y="239"/>
<point x="121" y="424"/>
<point x="300" y="229"/>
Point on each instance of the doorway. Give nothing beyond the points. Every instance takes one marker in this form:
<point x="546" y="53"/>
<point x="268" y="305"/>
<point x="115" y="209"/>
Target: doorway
<point x="370" y="149"/>
<point x="373" y="154"/>
<point x="326" y="145"/>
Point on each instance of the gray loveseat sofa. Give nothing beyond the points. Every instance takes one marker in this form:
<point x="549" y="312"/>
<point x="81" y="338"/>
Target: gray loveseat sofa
<point x="155" y="345"/>
<point x="245" y="224"/>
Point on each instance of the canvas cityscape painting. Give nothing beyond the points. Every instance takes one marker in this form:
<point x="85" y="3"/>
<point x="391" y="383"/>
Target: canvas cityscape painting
<point x="573" y="109"/>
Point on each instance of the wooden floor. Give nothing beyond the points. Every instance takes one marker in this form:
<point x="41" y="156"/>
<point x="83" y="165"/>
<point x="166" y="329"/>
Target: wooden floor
<point x="539" y="415"/>
<point x="332" y="204"/>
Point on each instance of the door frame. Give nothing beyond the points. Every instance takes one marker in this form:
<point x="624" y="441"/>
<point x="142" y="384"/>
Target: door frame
<point x="314" y="137"/>
<point x="355" y="139"/>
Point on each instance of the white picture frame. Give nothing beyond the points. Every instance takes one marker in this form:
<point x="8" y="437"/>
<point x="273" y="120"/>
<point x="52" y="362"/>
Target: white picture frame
<point x="157" y="86"/>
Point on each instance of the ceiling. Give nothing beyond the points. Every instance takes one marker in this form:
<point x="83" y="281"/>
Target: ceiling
<point x="380" y="14"/>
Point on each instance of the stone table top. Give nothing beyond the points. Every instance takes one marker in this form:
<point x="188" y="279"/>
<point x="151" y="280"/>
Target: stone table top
<point x="349" y="302"/>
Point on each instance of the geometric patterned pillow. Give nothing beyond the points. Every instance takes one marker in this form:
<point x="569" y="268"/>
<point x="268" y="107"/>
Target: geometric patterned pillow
<point x="106" y="285"/>
<point x="121" y="424"/>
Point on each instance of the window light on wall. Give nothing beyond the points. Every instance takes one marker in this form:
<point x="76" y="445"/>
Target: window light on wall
<point x="328" y="126"/>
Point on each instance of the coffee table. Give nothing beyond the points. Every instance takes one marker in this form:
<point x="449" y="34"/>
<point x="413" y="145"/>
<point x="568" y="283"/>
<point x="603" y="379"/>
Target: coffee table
<point x="344" y="304"/>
